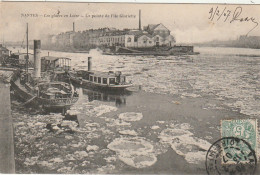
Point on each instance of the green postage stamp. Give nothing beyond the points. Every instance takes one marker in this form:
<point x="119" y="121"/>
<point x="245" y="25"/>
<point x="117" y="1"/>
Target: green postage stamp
<point x="242" y="130"/>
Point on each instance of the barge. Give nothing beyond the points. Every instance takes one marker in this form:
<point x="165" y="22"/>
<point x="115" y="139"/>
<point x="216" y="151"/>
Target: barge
<point x="153" y="51"/>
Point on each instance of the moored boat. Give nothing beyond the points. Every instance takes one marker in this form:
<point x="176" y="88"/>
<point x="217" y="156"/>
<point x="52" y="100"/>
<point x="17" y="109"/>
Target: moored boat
<point x="32" y="87"/>
<point x="46" y="94"/>
<point x="105" y="81"/>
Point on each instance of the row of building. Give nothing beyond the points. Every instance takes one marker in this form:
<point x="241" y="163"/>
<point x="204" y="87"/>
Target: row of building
<point x="150" y="36"/>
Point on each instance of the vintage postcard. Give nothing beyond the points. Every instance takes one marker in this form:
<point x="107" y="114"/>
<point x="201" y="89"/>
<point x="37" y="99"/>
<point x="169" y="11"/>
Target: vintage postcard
<point x="129" y="88"/>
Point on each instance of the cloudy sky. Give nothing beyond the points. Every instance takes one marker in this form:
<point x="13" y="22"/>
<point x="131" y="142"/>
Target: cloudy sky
<point x="188" y="23"/>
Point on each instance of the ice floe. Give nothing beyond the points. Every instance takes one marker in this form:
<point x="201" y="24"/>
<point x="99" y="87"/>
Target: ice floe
<point x="72" y="112"/>
<point x="184" y="143"/>
<point x="56" y="160"/>
<point x="106" y="169"/>
<point x="80" y="154"/>
<point x="70" y="124"/>
<point x="102" y="109"/>
<point x="75" y="145"/>
<point x="155" y="127"/>
<point x="92" y="148"/>
<point x="131" y="116"/>
<point x="31" y="160"/>
<point x="128" y="132"/>
<point x="135" y="152"/>
<point x="110" y="159"/>
<point x="161" y="122"/>
<point x="45" y="164"/>
<point x="65" y="170"/>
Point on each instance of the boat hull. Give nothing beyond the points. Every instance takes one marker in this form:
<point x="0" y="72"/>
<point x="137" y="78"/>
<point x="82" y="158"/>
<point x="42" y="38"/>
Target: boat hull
<point x="46" y="103"/>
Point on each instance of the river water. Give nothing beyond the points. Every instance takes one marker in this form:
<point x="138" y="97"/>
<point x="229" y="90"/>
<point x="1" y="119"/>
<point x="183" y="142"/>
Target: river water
<point x="165" y="127"/>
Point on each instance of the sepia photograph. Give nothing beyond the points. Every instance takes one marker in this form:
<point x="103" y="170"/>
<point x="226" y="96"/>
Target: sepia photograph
<point x="129" y="88"/>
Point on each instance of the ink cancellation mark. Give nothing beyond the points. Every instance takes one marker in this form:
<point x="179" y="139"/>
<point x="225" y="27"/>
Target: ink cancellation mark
<point x="230" y="149"/>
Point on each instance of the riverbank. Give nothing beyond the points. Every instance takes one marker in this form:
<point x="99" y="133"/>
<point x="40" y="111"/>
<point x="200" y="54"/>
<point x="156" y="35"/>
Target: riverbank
<point x="171" y="133"/>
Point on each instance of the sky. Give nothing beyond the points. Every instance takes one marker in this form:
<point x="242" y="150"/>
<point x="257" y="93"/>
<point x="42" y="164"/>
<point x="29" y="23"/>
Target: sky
<point x="189" y="23"/>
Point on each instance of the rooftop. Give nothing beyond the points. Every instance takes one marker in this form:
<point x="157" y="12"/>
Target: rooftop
<point x="19" y="53"/>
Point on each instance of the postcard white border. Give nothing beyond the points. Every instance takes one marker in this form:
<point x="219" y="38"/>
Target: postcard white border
<point x="150" y="1"/>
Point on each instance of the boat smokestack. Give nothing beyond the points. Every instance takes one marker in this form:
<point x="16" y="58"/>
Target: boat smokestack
<point x="73" y="27"/>
<point x="140" y="25"/>
<point x="37" y="59"/>
<point x="89" y="63"/>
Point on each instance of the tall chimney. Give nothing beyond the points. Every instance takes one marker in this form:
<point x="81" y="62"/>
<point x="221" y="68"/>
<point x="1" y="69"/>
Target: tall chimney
<point x="73" y="27"/>
<point x="140" y="26"/>
<point x="37" y="59"/>
<point x="89" y="63"/>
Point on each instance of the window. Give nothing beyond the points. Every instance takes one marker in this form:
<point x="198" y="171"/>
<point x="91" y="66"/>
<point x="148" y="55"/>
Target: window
<point x="157" y="38"/>
<point x="104" y="80"/>
<point x="129" y="39"/>
<point x="112" y="80"/>
<point x="99" y="79"/>
<point x="95" y="79"/>
<point x="144" y="41"/>
<point x="150" y="42"/>
<point x="91" y="78"/>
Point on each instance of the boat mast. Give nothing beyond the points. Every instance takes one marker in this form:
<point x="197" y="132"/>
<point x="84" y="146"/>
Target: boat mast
<point x="27" y="55"/>
<point x="3" y="40"/>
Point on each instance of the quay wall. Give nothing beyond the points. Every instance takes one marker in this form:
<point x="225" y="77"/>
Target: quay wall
<point x="7" y="162"/>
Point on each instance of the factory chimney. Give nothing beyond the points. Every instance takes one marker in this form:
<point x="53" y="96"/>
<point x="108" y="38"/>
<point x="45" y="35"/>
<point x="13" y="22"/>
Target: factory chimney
<point x="140" y="26"/>
<point x="37" y="59"/>
<point x="89" y="63"/>
<point x="73" y="27"/>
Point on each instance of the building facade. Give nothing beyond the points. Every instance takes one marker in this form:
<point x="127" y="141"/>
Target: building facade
<point x="153" y="35"/>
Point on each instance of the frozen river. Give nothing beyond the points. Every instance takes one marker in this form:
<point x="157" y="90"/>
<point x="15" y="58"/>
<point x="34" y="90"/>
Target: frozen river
<point x="165" y="128"/>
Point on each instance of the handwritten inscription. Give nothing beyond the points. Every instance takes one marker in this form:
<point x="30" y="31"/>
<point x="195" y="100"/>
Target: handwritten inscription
<point x="227" y="15"/>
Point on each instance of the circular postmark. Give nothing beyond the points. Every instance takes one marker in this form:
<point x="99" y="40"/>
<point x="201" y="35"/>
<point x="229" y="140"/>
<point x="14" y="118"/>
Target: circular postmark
<point x="230" y="155"/>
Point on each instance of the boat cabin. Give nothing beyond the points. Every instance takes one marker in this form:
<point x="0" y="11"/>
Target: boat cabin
<point x="103" y="78"/>
<point x="50" y="63"/>
<point x="19" y="59"/>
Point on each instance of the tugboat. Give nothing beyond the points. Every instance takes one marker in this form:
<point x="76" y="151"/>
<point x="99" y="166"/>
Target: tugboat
<point x="31" y="87"/>
<point x="104" y="81"/>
